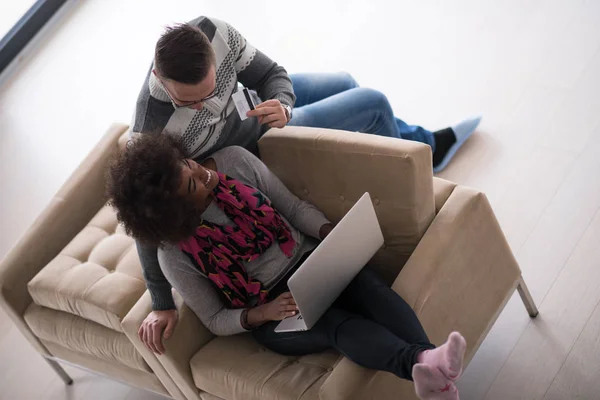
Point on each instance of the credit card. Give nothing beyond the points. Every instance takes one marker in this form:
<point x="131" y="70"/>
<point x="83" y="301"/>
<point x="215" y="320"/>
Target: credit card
<point x="243" y="102"/>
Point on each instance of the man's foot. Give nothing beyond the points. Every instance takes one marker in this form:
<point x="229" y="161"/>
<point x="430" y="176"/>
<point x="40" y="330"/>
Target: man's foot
<point x="449" y="140"/>
<point x="431" y="384"/>
<point x="448" y="358"/>
<point x="444" y="140"/>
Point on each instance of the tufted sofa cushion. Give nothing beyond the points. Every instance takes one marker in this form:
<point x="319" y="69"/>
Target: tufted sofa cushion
<point x="97" y="276"/>
<point x="237" y="367"/>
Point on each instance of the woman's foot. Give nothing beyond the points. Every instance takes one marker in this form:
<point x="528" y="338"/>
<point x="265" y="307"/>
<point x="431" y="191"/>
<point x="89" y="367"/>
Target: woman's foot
<point x="431" y="384"/>
<point x="448" y="358"/>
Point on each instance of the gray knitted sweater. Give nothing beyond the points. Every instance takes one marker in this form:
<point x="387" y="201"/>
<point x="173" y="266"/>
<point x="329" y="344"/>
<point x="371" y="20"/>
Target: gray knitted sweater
<point x="303" y="219"/>
<point x="217" y="125"/>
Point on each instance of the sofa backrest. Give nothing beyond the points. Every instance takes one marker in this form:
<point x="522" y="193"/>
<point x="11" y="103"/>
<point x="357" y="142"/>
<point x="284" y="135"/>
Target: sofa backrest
<point x="332" y="169"/>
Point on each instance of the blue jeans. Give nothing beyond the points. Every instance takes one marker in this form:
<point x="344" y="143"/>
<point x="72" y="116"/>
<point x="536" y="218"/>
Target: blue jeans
<point x="336" y="101"/>
<point x="369" y="323"/>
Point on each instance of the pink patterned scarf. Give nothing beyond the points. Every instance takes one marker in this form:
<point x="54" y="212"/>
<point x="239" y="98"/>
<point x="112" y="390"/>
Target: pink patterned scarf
<point x="219" y="251"/>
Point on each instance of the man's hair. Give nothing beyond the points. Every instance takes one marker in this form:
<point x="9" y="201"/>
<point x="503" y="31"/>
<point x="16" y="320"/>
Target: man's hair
<point x="183" y="54"/>
<point x="142" y="184"/>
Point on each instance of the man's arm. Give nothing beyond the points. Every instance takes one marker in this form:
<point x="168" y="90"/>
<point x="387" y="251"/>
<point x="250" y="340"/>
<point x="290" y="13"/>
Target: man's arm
<point x="156" y="282"/>
<point x="257" y="71"/>
<point x="162" y="320"/>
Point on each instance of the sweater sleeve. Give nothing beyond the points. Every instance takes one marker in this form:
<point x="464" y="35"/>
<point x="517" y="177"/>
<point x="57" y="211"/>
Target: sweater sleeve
<point x="157" y="284"/>
<point x="198" y="293"/>
<point x="257" y="71"/>
<point x="301" y="214"/>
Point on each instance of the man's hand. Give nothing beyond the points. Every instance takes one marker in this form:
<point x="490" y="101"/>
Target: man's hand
<point x="271" y="112"/>
<point x="157" y="322"/>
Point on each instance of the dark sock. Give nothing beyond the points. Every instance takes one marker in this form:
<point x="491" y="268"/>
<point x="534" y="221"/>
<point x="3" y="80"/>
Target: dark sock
<point x="444" y="139"/>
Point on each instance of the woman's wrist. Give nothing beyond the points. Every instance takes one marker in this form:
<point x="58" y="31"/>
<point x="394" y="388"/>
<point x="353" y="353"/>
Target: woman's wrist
<point x="253" y="317"/>
<point x="244" y="320"/>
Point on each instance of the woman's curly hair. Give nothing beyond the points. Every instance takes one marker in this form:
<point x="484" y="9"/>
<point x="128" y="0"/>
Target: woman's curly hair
<point x="142" y="183"/>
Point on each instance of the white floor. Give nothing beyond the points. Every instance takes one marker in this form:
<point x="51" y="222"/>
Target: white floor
<point x="531" y="67"/>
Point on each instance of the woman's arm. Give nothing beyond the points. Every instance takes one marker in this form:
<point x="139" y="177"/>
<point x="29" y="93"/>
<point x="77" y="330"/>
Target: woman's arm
<point x="303" y="215"/>
<point x="199" y="294"/>
<point x="282" y="307"/>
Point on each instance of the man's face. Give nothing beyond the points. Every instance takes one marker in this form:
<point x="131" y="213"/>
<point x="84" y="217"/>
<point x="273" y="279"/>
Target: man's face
<point x="191" y="95"/>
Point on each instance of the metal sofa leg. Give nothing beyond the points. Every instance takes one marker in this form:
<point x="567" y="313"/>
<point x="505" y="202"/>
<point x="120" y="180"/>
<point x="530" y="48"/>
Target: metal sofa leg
<point x="60" y="371"/>
<point x="527" y="299"/>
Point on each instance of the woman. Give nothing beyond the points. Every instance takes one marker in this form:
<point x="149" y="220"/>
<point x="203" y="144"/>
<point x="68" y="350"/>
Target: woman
<point x="230" y="234"/>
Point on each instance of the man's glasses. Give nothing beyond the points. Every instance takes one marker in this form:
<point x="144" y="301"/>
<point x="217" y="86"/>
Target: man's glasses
<point x="191" y="104"/>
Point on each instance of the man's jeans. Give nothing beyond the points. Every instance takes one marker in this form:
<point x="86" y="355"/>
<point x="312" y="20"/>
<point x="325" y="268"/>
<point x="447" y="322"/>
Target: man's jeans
<point x="336" y="101"/>
<point x="369" y="323"/>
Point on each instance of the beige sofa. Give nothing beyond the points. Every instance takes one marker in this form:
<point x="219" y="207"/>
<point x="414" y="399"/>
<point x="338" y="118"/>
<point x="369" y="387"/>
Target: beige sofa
<point x="73" y="283"/>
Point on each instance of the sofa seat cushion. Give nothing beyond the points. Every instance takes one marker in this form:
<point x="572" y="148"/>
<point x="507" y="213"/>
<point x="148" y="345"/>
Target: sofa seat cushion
<point x="237" y="367"/>
<point x="97" y="276"/>
<point x="83" y="336"/>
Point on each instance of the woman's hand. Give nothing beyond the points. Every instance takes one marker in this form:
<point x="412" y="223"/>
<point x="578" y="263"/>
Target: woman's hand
<point x="325" y="230"/>
<point x="282" y="307"/>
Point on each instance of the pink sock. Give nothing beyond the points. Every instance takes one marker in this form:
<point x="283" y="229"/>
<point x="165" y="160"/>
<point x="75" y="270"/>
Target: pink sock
<point x="448" y="358"/>
<point x="431" y="384"/>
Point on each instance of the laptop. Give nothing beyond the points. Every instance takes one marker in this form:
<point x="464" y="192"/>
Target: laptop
<point x="323" y="276"/>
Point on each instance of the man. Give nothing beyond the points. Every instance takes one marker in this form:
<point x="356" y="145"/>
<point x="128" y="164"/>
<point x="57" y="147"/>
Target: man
<point x="188" y="94"/>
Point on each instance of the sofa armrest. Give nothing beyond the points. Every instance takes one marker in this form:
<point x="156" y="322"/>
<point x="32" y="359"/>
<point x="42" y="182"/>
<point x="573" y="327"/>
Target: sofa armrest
<point x="465" y="263"/>
<point x="333" y="169"/>
<point x="69" y="211"/>
<point x="188" y="337"/>
<point x="459" y="277"/>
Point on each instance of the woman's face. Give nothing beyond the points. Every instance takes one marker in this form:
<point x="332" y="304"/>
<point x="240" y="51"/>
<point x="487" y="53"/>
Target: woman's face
<point x="196" y="182"/>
